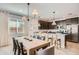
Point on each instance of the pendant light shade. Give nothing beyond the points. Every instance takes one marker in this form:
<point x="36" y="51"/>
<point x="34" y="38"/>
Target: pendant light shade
<point x="35" y="13"/>
<point x="54" y="23"/>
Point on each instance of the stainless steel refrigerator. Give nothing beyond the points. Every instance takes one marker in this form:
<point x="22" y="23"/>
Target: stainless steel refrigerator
<point x="75" y="32"/>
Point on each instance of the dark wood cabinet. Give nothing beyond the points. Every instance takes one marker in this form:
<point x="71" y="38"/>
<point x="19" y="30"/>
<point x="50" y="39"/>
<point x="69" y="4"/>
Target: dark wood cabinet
<point x="68" y="37"/>
<point x="46" y="25"/>
<point x="74" y="20"/>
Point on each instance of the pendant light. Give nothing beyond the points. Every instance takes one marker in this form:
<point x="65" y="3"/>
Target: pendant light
<point x="35" y="16"/>
<point x="35" y="13"/>
<point x="54" y="23"/>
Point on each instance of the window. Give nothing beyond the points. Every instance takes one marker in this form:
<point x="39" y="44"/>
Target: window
<point x="15" y="26"/>
<point x="12" y="26"/>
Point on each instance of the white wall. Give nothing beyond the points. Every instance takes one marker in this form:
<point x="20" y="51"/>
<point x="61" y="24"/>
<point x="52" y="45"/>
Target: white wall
<point x="4" y="39"/>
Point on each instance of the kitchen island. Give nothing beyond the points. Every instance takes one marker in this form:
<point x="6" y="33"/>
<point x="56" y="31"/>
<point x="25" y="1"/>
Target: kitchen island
<point x="53" y="36"/>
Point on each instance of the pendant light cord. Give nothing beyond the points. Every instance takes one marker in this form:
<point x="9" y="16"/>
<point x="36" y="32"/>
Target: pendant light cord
<point x="28" y="10"/>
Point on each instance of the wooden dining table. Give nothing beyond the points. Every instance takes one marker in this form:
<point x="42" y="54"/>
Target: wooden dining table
<point x="32" y="45"/>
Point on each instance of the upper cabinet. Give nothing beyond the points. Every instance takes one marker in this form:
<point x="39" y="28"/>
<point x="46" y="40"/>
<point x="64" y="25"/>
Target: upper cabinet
<point x="78" y="20"/>
<point x="46" y="25"/>
<point x="74" y="20"/>
<point x="69" y="21"/>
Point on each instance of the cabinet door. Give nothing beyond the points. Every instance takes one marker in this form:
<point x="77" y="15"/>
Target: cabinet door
<point x="74" y="20"/>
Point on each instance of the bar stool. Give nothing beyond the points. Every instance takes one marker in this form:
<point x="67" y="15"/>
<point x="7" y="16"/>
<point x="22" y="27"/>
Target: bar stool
<point x="58" y="43"/>
<point x="50" y="39"/>
<point x="54" y="39"/>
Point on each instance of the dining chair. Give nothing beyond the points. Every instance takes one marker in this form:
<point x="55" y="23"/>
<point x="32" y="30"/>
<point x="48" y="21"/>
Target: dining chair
<point x="23" y="51"/>
<point x="48" y="51"/>
<point x="14" y="46"/>
<point x="43" y="37"/>
<point x="18" y="47"/>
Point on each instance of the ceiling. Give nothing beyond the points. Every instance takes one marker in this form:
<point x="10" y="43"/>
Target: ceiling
<point x="45" y="10"/>
<point x="18" y="8"/>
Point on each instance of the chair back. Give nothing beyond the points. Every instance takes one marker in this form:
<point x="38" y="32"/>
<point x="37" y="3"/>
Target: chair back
<point x="48" y="51"/>
<point x="18" y="47"/>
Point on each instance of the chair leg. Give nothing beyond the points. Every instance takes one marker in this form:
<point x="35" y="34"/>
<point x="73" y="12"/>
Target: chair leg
<point x="14" y="51"/>
<point x="18" y="51"/>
